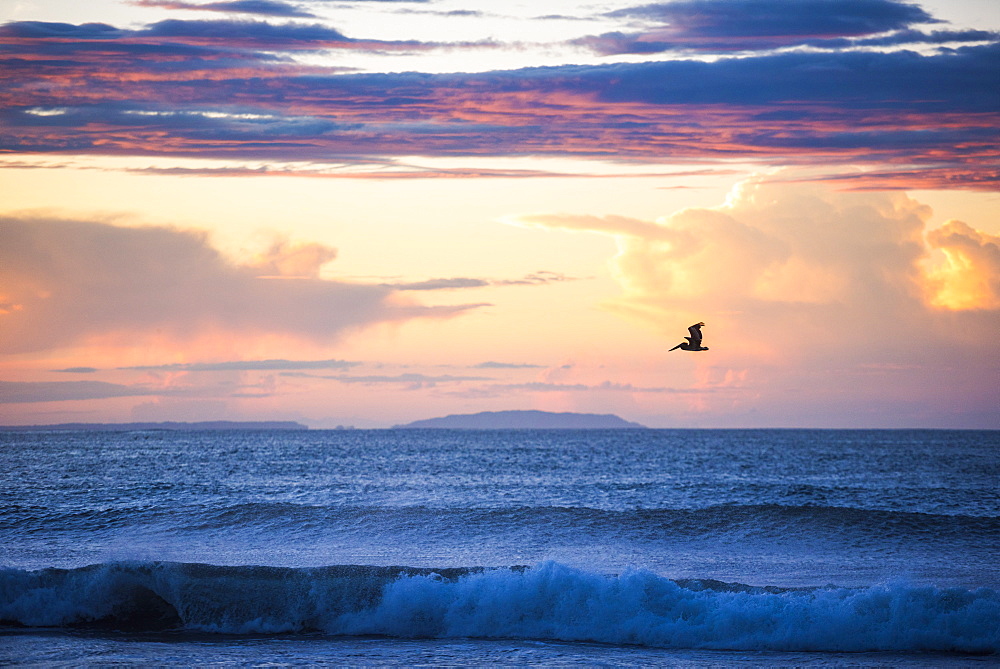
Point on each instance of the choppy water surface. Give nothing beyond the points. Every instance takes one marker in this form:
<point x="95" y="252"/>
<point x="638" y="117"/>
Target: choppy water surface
<point x="520" y="547"/>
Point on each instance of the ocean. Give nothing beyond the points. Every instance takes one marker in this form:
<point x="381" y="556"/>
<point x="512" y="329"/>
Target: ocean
<point x="501" y="547"/>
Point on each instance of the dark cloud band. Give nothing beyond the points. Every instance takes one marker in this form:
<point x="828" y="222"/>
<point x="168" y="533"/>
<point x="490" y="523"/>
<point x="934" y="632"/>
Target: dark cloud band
<point x="209" y="89"/>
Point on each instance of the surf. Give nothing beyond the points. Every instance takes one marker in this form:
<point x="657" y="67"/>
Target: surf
<point x="548" y="601"/>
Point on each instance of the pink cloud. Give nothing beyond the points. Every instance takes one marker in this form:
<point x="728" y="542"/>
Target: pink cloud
<point x="66" y="281"/>
<point x="229" y="89"/>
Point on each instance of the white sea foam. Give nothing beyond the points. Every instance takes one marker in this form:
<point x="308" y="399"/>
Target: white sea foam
<point x="550" y="601"/>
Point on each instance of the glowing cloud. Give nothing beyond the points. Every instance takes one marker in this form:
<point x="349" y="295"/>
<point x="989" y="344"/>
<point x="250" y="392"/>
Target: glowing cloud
<point x="798" y="282"/>
<point x="970" y="278"/>
<point x="776" y="245"/>
<point x="66" y="281"/>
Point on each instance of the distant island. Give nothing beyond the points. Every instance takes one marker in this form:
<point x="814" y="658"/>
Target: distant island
<point x="523" y="420"/>
<point x="170" y="425"/>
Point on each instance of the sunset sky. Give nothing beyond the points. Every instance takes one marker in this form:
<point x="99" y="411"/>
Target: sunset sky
<point x="367" y="213"/>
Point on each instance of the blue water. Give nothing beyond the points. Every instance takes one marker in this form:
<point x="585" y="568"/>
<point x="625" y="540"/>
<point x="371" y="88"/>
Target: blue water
<point x="416" y="547"/>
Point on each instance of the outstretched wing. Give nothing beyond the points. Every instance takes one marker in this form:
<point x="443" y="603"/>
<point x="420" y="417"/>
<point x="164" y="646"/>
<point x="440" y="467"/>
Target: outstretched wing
<point x="695" y="331"/>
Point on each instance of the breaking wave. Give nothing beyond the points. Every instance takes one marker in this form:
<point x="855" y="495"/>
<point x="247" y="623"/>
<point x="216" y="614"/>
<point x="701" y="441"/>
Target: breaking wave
<point x="549" y="601"/>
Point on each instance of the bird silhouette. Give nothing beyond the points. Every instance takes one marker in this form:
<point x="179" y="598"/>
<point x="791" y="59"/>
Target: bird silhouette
<point x="693" y="342"/>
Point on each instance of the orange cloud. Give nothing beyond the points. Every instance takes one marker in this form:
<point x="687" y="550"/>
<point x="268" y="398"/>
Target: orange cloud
<point x="817" y="297"/>
<point x="287" y="259"/>
<point x="970" y="277"/>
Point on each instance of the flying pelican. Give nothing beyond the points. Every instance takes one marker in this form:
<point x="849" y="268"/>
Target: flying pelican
<point x="693" y="342"/>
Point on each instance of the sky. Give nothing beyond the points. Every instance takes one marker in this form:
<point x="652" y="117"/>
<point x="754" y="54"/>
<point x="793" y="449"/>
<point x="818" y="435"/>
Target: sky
<point x="372" y="212"/>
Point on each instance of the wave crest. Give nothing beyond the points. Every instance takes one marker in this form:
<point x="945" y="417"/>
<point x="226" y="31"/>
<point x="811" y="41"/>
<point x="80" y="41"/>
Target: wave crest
<point x="549" y="601"/>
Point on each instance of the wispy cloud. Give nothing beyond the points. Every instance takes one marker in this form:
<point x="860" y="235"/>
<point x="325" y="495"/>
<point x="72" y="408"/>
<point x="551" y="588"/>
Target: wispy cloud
<point x="387" y="169"/>
<point x="907" y="37"/>
<point x="459" y="13"/>
<point x="603" y="389"/>
<point x="247" y="366"/>
<point x="505" y="365"/>
<point x="407" y="378"/>
<point x="739" y="18"/>
<point x="620" y="43"/>
<point x="410" y="381"/>
<point x="257" y="7"/>
<point x="440" y="284"/>
<point x="604" y="386"/>
<point x="16" y="392"/>
<point x="751" y="25"/>
<point x="540" y="278"/>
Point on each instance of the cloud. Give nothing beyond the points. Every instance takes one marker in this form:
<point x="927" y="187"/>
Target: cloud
<point x="505" y="365"/>
<point x="741" y="18"/>
<point x="77" y="370"/>
<point x="535" y="279"/>
<point x="71" y="281"/>
<point x="899" y="37"/>
<point x="364" y="1"/>
<point x="440" y="284"/>
<point x="259" y="7"/>
<point x="387" y="170"/>
<point x="406" y="378"/>
<point x="411" y="381"/>
<point x="301" y="260"/>
<point x="15" y="392"/>
<point x="970" y="277"/>
<point x="42" y="30"/>
<point x="739" y="25"/>
<point x="820" y="299"/>
<point x="604" y="386"/>
<point x="795" y="246"/>
<point x="234" y="89"/>
<point x="598" y="392"/>
<point x="617" y="43"/>
<point x="247" y="365"/>
<point x="172" y="37"/>
<point x="930" y="178"/>
<point x="245" y="34"/>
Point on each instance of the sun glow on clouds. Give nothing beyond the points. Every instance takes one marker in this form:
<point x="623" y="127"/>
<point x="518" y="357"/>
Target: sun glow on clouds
<point x="969" y="278"/>
<point x="385" y="140"/>
<point x="775" y="243"/>
<point x="796" y="281"/>
<point x="799" y="280"/>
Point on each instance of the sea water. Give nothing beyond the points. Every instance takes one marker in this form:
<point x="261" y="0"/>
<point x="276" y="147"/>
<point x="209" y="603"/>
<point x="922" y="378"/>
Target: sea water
<point x="517" y="547"/>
